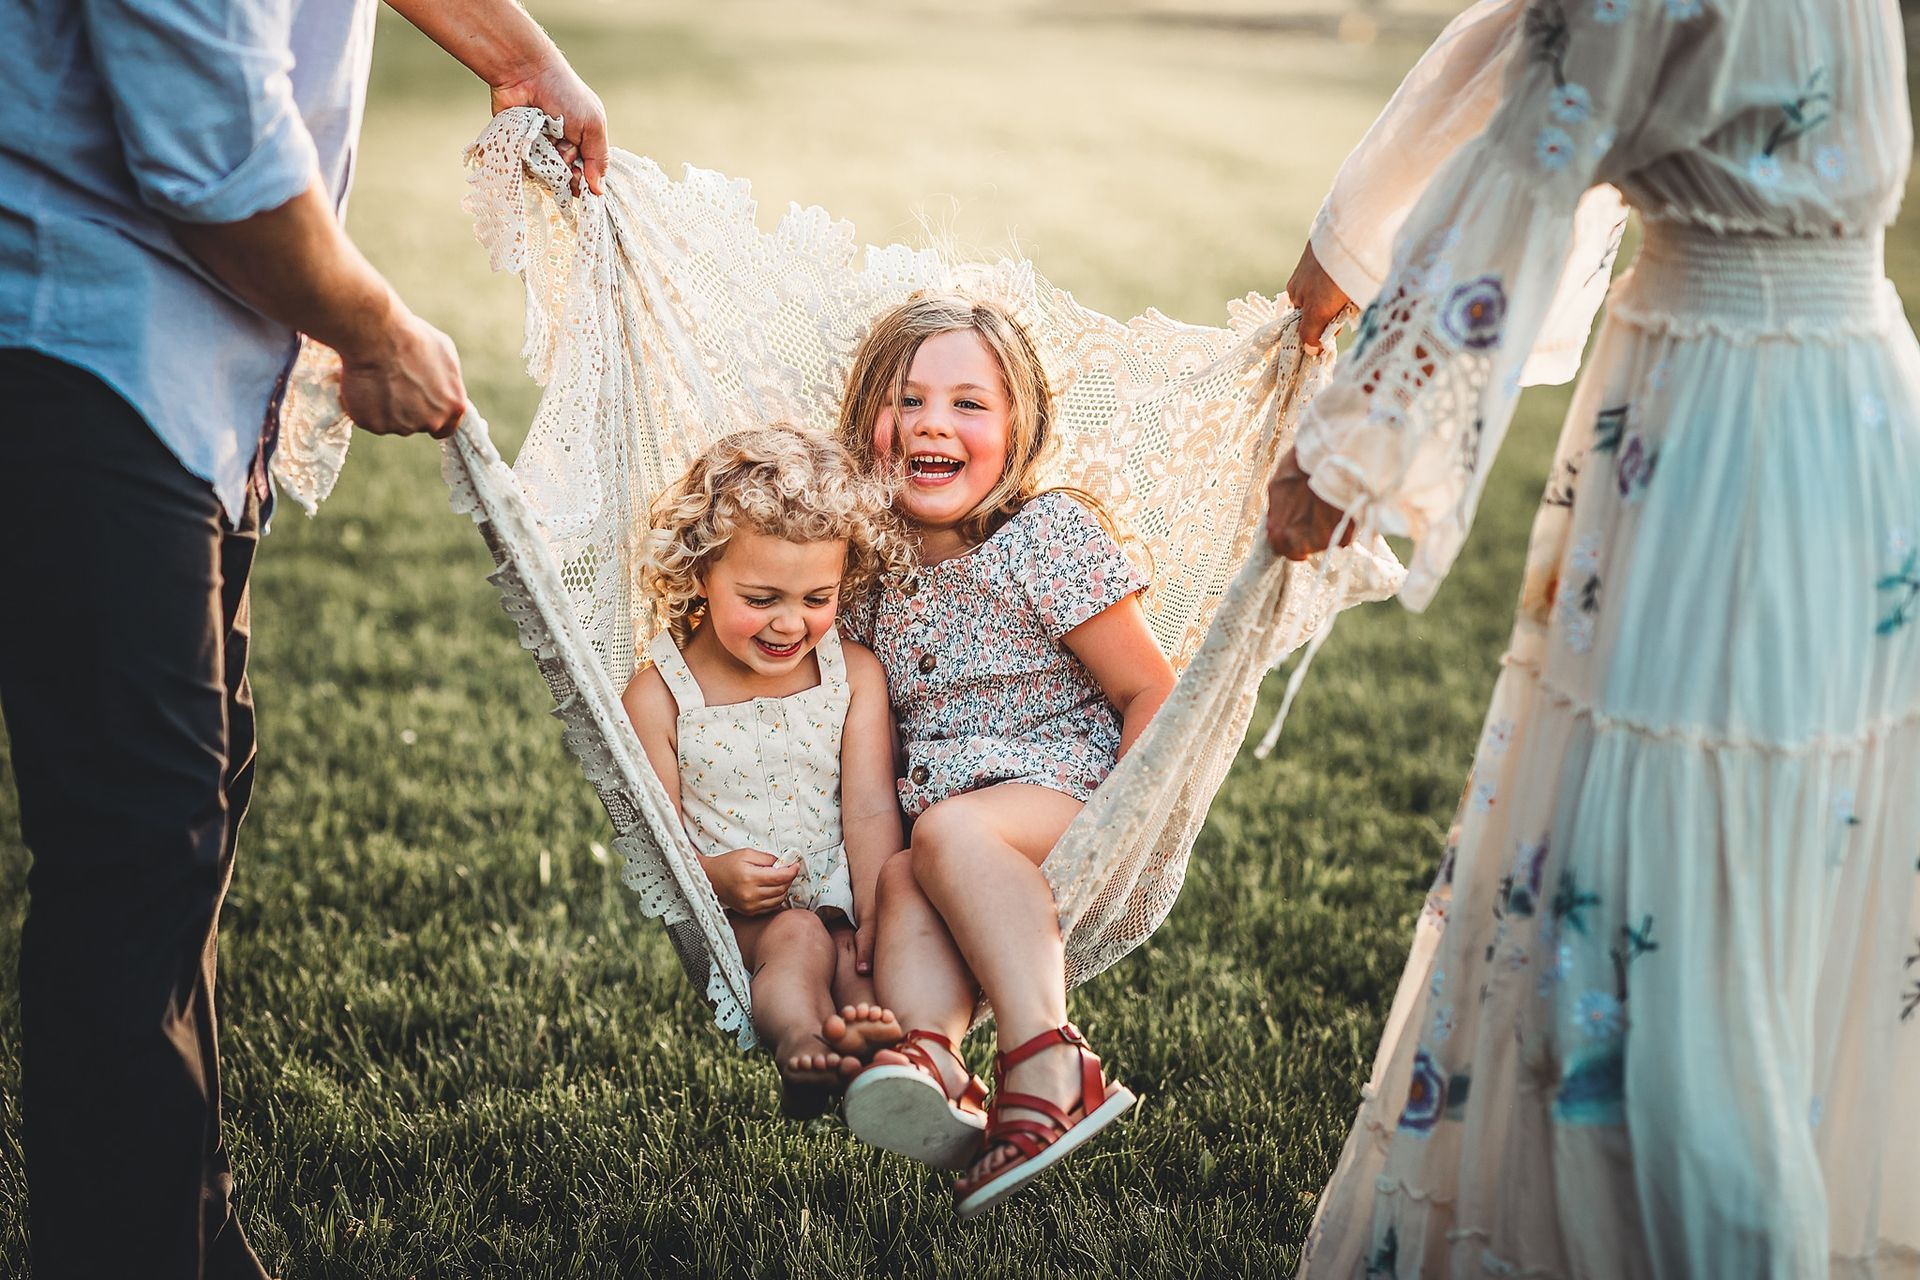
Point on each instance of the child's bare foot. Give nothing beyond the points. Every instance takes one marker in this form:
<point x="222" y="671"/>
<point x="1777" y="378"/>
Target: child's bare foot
<point x="811" y="1077"/>
<point x="861" y="1030"/>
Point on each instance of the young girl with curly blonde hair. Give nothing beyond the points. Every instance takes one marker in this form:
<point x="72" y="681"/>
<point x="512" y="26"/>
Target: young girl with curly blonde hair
<point x="1020" y="666"/>
<point x="773" y="736"/>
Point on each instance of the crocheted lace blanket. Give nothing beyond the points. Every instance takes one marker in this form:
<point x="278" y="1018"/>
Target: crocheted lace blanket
<point x="662" y="315"/>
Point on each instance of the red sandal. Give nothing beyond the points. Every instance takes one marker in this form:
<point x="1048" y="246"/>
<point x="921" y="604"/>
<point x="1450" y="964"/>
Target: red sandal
<point x="907" y="1109"/>
<point x="1041" y="1143"/>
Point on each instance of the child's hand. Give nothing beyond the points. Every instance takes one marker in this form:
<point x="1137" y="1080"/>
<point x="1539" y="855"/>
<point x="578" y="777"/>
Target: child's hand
<point x="863" y="936"/>
<point x="750" y="881"/>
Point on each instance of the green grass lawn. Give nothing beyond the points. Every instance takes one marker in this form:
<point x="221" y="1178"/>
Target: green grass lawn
<point x="454" y="1047"/>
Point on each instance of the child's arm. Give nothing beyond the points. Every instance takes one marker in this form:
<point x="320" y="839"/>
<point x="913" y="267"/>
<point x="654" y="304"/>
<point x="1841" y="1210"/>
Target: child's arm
<point x="1120" y="653"/>
<point x="745" y="880"/>
<point x="655" y="718"/>
<point x="869" y="811"/>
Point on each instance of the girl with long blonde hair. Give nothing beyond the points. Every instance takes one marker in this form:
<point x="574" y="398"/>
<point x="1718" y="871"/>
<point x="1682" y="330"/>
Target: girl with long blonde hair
<point x="1020" y="666"/>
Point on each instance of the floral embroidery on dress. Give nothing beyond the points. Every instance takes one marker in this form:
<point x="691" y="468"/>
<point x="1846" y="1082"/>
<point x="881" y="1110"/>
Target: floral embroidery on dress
<point x="1684" y="10"/>
<point x="1910" y="999"/>
<point x="1473" y="312"/>
<point x="1638" y="461"/>
<point x="1599" y="1015"/>
<point x="1903" y="584"/>
<point x="1593" y="1090"/>
<point x="1529" y="868"/>
<point x="1798" y="117"/>
<point x="1609" y="12"/>
<point x="1578" y="604"/>
<point x="1570" y="902"/>
<point x="1570" y="104"/>
<point x="1386" y="1257"/>
<point x="1553" y="148"/>
<point x="1426" y="1096"/>
<point x="1609" y="427"/>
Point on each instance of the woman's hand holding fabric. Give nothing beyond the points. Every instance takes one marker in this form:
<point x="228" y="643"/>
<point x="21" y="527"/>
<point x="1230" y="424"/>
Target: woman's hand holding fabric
<point x="1320" y="300"/>
<point x="1300" y="522"/>
<point x="750" y="881"/>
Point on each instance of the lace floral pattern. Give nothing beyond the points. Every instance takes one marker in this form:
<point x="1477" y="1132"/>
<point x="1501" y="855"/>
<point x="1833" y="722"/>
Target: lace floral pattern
<point x="662" y="315"/>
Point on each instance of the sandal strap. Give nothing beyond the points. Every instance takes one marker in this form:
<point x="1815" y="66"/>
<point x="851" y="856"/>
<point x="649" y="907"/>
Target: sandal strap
<point x="1027" y="1102"/>
<point x="1028" y="1137"/>
<point x="912" y="1047"/>
<point x="1066" y="1033"/>
<point x="1093" y="1084"/>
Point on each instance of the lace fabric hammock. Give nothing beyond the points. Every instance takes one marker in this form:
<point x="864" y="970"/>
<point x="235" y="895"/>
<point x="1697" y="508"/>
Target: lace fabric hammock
<point x="661" y="316"/>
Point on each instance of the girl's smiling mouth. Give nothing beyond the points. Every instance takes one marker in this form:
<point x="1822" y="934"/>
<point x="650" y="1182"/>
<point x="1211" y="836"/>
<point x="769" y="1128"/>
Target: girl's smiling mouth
<point x="933" y="469"/>
<point x="778" y="650"/>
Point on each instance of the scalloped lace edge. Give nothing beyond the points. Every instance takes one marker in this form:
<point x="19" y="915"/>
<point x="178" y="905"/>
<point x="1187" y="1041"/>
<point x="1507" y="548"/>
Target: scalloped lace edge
<point x="1871" y="735"/>
<point x="1874" y="323"/>
<point x="481" y="486"/>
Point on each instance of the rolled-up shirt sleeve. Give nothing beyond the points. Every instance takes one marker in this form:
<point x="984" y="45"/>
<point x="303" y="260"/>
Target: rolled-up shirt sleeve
<point x="204" y="104"/>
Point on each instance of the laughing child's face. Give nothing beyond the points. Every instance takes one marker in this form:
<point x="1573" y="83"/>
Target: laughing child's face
<point x="951" y="426"/>
<point x="769" y="601"/>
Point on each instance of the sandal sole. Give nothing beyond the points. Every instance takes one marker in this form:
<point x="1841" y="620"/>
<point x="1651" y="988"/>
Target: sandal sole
<point x="897" y="1109"/>
<point x="984" y="1197"/>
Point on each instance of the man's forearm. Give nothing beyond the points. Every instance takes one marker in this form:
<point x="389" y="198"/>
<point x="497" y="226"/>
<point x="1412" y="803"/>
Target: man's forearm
<point x="296" y="264"/>
<point x="497" y="40"/>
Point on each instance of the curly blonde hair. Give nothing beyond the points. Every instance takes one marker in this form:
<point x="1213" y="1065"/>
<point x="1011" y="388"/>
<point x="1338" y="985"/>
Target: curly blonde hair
<point x="879" y="379"/>
<point x="778" y="480"/>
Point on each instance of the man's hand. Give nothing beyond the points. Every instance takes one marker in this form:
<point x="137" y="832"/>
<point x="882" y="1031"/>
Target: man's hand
<point x="558" y="91"/>
<point x="1299" y="521"/>
<point x="750" y="881"/>
<point x="500" y="42"/>
<point x="295" y="264"/>
<point x="407" y="383"/>
<point x="1320" y="300"/>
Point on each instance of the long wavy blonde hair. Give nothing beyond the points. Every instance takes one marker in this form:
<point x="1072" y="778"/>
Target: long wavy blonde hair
<point x="879" y="380"/>
<point x="778" y="480"/>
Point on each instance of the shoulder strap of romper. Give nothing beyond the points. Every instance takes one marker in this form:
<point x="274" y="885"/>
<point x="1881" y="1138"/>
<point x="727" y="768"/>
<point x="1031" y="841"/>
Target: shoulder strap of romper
<point x="673" y="668"/>
<point x="833" y="661"/>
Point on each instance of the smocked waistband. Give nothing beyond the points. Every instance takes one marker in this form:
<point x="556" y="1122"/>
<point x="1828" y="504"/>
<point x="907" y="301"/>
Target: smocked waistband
<point x="1694" y="282"/>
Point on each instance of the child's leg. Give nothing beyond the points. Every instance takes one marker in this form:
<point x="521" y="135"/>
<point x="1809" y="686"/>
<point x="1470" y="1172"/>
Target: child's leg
<point x="850" y="986"/>
<point x="861" y="1026"/>
<point x="918" y="971"/>
<point x="977" y="858"/>
<point x="792" y="960"/>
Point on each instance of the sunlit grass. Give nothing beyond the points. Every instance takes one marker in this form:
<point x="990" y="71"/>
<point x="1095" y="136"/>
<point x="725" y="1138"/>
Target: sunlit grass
<point x="441" y="1064"/>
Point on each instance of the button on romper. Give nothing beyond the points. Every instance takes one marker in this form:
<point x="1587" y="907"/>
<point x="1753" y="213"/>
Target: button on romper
<point x="765" y="773"/>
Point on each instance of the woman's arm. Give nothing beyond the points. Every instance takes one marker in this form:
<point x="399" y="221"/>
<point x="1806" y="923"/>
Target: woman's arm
<point x="869" y="811"/>
<point x="1120" y="653"/>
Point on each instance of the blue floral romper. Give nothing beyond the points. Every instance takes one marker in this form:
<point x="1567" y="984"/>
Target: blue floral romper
<point x="982" y="686"/>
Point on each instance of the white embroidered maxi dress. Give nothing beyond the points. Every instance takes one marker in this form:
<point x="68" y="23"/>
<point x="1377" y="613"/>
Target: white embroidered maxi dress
<point x="1662" y="1012"/>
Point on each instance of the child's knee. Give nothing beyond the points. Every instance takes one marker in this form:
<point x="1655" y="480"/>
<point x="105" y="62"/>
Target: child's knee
<point x="795" y="935"/>
<point x="896" y="879"/>
<point x="943" y="831"/>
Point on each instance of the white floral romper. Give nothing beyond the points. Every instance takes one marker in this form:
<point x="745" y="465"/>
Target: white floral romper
<point x="765" y="773"/>
<point x="983" y="687"/>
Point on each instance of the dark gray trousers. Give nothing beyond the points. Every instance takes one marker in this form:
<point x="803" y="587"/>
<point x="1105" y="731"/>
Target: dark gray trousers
<point x="123" y="681"/>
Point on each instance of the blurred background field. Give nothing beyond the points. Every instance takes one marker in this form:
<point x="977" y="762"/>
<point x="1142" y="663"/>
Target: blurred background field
<point x="453" y="1046"/>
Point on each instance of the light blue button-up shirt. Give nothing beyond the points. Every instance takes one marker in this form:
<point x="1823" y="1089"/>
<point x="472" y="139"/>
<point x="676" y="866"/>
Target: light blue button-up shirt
<point x="120" y="114"/>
